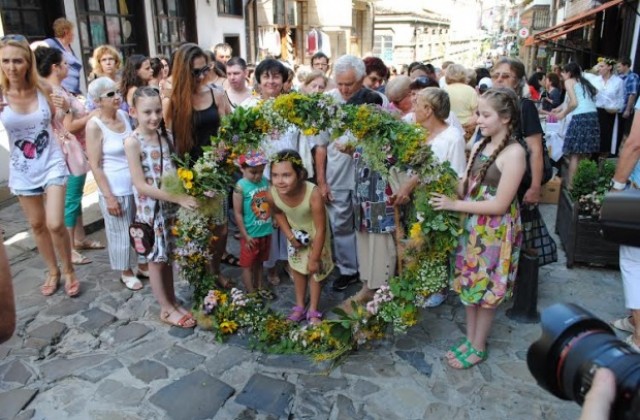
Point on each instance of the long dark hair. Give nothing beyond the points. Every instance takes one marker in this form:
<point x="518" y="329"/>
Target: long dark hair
<point x="130" y="76"/>
<point x="575" y="72"/>
<point x="45" y="59"/>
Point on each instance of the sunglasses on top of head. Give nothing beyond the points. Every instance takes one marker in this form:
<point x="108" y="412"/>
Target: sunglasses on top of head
<point x="14" y="37"/>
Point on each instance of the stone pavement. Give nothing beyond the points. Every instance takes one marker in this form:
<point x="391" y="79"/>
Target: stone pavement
<point x="106" y="355"/>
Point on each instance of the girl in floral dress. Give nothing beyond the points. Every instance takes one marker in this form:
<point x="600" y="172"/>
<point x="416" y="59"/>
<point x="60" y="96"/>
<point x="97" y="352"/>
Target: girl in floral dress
<point x="486" y="259"/>
<point x="149" y="160"/>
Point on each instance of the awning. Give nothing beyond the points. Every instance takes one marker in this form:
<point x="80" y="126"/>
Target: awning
<point x="576" y="22"/>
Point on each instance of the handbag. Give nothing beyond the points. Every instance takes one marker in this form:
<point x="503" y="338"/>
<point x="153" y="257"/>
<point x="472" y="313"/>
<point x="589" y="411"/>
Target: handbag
<point x="74" y="154"/>
<point x="142" y="236"/>
<point x="619" y="217"/>
<point x="547" y="169"/>
<point x="536" y="236"/>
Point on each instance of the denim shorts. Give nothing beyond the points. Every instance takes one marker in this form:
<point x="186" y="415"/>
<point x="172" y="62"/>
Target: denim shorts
<point x="59" y="180"/>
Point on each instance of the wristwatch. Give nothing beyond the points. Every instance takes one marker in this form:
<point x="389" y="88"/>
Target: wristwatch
<point x="618" y="185"/>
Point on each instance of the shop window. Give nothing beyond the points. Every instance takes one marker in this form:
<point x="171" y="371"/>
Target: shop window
<point x="171" y="18"/>
<point x="383" y="47"/>
<point x="24" y="17"/>
<point x="119" y="23"/>
<point x="230" y="7"/>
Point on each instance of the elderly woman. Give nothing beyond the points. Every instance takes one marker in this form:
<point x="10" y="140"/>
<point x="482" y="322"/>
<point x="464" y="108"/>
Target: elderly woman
<point x="463" y="98"/>
<point x="36" y="166"/>
<point x="399" y="93"/>
<point x="315" y="82"/>
<point x="106" y="132"/>
<point x="105" y="62"/>
<point x="446" y="141"/>
<point x="64" y="33"/>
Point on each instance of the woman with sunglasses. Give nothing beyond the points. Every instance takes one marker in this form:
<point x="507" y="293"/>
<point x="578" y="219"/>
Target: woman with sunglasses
<point x="193" y="115"/>
<point x="106" y="133"/>
<point x="37" y="164"/>
<point x="53" y="67"/>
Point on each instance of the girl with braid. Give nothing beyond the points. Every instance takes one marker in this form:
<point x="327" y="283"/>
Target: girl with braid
<point x="486" y="259"/>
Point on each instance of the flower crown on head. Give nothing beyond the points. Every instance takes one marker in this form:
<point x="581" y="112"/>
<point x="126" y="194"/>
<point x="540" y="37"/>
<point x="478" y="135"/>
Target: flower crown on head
<point x="287" y="158"/>
<point x="608" y="61"/>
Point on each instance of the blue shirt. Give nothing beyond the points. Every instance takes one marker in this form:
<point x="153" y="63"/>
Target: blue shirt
<point x="72" y="81"/>
<point x="631" y="84"/>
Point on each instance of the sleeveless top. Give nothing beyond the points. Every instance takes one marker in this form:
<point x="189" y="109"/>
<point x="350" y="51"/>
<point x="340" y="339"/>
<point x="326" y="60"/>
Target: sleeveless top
<point x="299" y="217"/>
<point x="256" y="213"/>
<point x="493" y="174"/>
<point x="35" y="157"/>
<point x="114" y="159"/>
<point x="585" y="103"/>
<point x="206" y="123"/>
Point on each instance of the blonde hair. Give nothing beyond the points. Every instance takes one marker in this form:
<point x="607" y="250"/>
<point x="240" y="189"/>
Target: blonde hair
<point x="100" y="51"/>
<point x="398" y="88"/>
<point x="32" y="77"/>
<point x="437" y="99"/>
<point x="313" y="75"/>
<point x="61" y="26"/>
<point x="456" y="73"/>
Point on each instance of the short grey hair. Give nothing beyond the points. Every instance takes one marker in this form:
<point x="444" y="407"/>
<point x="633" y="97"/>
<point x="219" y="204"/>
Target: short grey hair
<point x="99" y="87"/>
<point x="350" y="62"/>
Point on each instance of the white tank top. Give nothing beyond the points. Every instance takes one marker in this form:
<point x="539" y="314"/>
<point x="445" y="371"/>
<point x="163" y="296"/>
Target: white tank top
<point x="35" y="156"/>
<point x="114" y="159"/>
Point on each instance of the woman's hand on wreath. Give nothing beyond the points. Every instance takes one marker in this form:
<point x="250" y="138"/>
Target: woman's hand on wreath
<point x="113" y="206"/>
<point x="441" y="202"/>
<point x="188" y="202"/>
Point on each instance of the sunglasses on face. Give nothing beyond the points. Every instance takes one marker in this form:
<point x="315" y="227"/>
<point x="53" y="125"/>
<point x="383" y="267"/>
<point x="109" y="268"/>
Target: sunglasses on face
<point x="501" y="76"/>
<point x="15" y="37"/>
<point x="111" y="94"/>
<point x="201" y="71"/>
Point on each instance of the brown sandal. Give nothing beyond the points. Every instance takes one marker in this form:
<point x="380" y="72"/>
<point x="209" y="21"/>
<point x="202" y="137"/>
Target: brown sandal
<point x="51" y="283"/>
<point x="72" y="285"/>
<point x="186" y="321"/>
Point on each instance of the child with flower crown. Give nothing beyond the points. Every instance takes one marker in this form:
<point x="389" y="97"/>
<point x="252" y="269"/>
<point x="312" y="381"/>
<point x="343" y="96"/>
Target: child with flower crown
<point x="299" y="210"/>
<point x="253" y="217"/>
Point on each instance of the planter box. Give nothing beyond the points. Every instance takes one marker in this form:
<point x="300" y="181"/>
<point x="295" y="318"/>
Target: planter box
<point x="581" y="238"/>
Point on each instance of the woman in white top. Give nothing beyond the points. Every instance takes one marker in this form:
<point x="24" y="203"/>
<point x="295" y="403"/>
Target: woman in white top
<point x="105" y="146"/>
<point x="36" y="163"/>
<point x="609" y="101"/>
<point x="447" y="142"/>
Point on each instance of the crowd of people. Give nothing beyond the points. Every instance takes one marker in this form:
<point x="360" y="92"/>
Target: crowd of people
<point x="302" y="205"/>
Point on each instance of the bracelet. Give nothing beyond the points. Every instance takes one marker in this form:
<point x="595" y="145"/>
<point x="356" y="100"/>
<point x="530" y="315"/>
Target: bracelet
<point x="618" y="185"/>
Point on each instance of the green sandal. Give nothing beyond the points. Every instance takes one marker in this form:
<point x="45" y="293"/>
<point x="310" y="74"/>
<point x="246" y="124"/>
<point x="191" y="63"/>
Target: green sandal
<point x="454" y="350"/>
<point x="464" y="363"/>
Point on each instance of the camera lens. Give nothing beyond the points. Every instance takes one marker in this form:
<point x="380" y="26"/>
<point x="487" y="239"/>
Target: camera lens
<point x="573" y="345"/>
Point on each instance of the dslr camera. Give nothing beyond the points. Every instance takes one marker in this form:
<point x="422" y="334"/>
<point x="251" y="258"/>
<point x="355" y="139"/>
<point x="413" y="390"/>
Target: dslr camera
<point x="574" y="343"/>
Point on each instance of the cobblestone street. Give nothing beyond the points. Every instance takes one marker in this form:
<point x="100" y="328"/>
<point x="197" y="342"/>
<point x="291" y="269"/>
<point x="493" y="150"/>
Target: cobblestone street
<point x="106" y="355"/>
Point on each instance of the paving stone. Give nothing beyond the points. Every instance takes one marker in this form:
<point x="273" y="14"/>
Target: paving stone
<point x="148" y="371"/>
<point x="4" y="352"/>
<point x="118" y="393"/>
<point x="101" y="371"/>
<point x="194" y="396"/>
<point x="412" y="400"/>
<point x="50" y="332"/>
<point x="61" y="368"/>
<point x="312" y="405"/>
<point x="440" y="410"/>
<point x="17" y="372"/>
<point x="344" y="409"/>
<point x="15" y="400"/>
<point x="67" y="307"/>
<point x="227" y="358"/>
<point x="293" y="362"/>
<point x="321" y="383"/>
<point x="96" y="320"/>
<point x="416" y="359"/>
<point x="130" y="333"/>
<point x="363" y="388"/>
<point x="25" y="415"/>
<point x="36" y="344"/>
<point x="267" y="395"/>
<point x="180" y="332"/>
<point x="179" y="358"/>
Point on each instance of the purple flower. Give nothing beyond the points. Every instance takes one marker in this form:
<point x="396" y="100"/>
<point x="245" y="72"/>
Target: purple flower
<point x="210" y="194"/>
<point x="235" y="139"/>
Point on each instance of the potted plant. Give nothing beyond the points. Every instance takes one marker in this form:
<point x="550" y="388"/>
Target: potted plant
<point x="577" y="220"/>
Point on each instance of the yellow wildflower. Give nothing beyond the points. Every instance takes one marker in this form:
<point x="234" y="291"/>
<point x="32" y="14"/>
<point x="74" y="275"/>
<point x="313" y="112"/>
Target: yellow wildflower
<point x="188" y="185"/>
<point x="228" y="327"/>
<point x="416" y="230"/>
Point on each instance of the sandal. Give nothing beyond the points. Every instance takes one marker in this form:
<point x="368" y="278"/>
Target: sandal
<point x="131" y="282"/>
<point x="88" y="244"/>
<point x="79" y="259"/>
<point x="463" y="358"/>
<point x="51" y="283"/>
<point x="142" y="273"/>
<point x="314" y="315"/>
<point x="456" y="350"/>
<point x="297" y="314"/>
<point x="186" y="321"/>
<point x="72" y="285"/>
<point x="624" y="324"/>
<point x="266" y="294"/>
<point x="230" y="259"/>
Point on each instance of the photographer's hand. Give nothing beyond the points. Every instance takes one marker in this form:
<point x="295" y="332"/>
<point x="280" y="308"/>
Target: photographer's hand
<point x="598" y="401"/>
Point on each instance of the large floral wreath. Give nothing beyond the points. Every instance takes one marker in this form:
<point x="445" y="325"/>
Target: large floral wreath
<point x="381" y="136"/>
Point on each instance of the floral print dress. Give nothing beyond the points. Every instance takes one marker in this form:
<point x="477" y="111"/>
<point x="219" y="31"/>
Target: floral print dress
<point x="486" y="259"/>
<point x="151" y="158"/>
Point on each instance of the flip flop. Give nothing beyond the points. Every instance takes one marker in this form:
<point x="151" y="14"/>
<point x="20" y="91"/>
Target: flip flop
<point x="88" y="244"/>
<point x="79" y="259"/>
<point x="230" y="260"/>
<point x="131" y="282"/>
